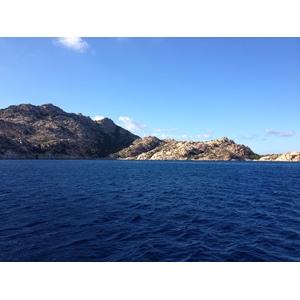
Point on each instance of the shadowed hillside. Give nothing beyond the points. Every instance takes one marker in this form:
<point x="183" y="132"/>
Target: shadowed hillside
<point x="46" y="131"/>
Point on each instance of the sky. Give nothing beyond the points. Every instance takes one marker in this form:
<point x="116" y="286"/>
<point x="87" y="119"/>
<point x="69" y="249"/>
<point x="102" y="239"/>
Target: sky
<point x="247" y="89"/>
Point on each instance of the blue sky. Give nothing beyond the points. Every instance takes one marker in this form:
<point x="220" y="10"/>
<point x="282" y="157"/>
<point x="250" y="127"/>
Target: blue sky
<point x="247" y="89"/>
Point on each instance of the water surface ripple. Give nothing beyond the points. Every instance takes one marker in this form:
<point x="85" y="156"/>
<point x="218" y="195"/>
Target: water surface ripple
<point x="149" y="211"/>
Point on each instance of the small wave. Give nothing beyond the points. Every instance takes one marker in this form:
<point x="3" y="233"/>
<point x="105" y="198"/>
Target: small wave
<point x="136" y="218"/>
<point x="242" y="256"/>
<point x="150" y="212"/>
<point x="36" y="223"/>
<point x="81" y="242"/>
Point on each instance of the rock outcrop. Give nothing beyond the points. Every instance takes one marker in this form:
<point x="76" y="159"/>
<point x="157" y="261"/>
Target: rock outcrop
<point x="46" y="131"/>
<point x="151" y="148"/>
<point x="138" y="147"/>
<point x="288" y="156"/>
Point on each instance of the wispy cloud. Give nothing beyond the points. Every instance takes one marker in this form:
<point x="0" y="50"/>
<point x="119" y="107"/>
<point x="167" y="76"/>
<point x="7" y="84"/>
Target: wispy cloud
<point x="131" y="125"/>
<point x="281" y="134"/>
<point x="164" y="130"/>
<point x="252" y="137"/>
<point x="72" y="43"/>
<point x="98" y="118"/>
<point x="164" y="133"/>
<point x="206" y="135"/>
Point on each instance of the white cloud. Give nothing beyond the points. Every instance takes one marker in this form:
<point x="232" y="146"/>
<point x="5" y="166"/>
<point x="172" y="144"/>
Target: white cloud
<point x="206" y="135"/>
<point x="165" y="130"/>
<point x="165" y="133"/>
<point x="157" y="131"/>
<point x="252" y="137"/>
<point x="281" y="134"/>
<point x="98" y="118"/>
<point x="185" y="136"/>
<point x="73" y="43"/>
<point x="131" y="125"/>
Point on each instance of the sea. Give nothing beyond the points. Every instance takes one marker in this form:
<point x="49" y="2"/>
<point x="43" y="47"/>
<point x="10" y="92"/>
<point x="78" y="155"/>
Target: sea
<point x="149" y="211"/>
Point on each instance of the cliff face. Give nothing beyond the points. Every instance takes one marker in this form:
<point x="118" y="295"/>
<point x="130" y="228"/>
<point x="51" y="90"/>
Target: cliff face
<point x="151" y="148"/>
<point x="46" y="131"/>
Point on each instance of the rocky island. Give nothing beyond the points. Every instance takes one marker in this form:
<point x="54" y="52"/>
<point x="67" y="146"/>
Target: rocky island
<point x="48" y="132"/>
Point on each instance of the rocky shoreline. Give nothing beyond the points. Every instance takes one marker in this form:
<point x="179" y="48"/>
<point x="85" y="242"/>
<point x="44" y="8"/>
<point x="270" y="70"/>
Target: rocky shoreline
<point x="47" y="132"/>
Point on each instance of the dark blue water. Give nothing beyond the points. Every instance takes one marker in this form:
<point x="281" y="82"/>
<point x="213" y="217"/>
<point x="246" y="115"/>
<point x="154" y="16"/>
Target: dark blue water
<point x="149" y="211"/>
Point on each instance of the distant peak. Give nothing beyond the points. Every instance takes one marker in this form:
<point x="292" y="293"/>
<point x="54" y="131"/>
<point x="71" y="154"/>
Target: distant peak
<point x="226" y="139"/>
<point x="107" y="125"/>
<point x="23" y="106"/>
<point x="36" y="108"/>
<point x="105" y="121"/>
<point x="50" y="107"/>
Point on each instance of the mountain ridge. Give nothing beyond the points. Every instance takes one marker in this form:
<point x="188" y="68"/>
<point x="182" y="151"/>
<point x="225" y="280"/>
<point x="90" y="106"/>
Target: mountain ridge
<point x="47" y="132"/>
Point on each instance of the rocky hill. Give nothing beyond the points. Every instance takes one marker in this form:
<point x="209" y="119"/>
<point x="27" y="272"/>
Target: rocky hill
<point x="46" y="131"/>
<point x="288" y="156"/>
<point x="151" y="148"/>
